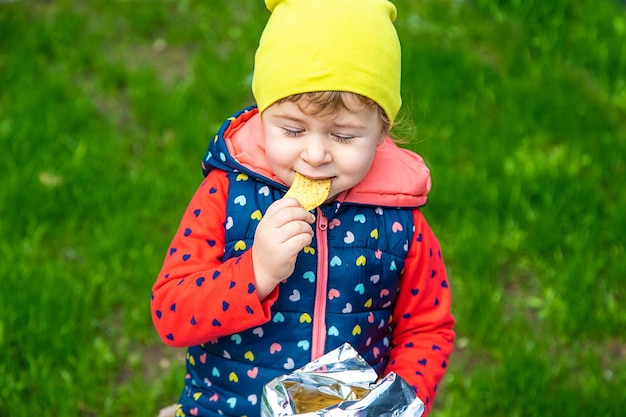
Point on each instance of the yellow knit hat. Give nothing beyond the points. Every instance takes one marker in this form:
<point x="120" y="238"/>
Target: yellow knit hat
<point x="325" y="45"/>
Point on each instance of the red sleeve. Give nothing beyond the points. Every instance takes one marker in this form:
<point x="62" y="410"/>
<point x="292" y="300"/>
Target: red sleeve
<point x="197" y="297"/>
<point x="422" y="338"/>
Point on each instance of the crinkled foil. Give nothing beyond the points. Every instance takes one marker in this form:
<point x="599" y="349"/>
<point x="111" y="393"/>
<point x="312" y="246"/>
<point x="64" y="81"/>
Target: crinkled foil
<point x="339" y="384"/>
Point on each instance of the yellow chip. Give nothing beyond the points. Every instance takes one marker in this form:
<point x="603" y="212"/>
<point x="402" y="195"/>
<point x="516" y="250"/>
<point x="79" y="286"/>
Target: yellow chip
<point x="310" y="193"/>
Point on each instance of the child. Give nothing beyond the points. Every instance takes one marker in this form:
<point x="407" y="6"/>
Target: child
<point x="256" y="286"/>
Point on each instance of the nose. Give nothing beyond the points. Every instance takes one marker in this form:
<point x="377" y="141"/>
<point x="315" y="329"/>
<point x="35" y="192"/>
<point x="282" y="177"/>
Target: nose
<point x="315" y="151"/>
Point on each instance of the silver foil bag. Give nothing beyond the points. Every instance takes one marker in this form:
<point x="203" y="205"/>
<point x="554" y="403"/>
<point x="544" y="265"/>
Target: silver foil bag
<point x="339" y="384"/>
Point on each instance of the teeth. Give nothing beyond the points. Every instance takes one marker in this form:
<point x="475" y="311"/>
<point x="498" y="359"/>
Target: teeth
<point x="309" y="192"/>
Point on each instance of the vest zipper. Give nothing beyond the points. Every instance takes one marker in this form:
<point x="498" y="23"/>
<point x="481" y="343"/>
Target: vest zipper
<point x="318" y="339"/>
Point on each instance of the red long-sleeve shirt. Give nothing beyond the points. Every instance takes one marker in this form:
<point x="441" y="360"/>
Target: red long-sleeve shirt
<point x="188" y="299"/>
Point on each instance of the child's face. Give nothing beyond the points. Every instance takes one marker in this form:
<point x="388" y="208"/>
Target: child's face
<point x="340" y="146"/>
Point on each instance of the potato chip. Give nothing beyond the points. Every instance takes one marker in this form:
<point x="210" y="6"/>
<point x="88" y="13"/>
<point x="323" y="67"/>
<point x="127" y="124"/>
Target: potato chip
<point x="309" y="192"/>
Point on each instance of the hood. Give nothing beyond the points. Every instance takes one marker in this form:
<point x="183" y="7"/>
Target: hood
<point x="398" y="177"/>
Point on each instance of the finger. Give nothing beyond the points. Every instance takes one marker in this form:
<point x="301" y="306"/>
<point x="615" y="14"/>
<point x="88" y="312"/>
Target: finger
<point x="291" y="229"/>
<point x="278" y="215"/>
<point x="297" y="242"/>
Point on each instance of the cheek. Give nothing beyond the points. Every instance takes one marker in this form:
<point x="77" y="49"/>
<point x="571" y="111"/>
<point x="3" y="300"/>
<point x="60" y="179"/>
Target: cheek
<point x="356" y="164"/>
<point x="278" y="156"/>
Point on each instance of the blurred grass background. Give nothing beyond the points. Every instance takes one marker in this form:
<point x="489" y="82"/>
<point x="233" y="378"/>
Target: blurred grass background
<point x="106" y="108"/>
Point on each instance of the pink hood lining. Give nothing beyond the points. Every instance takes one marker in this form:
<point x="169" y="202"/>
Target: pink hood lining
<point x="398" y="177"/>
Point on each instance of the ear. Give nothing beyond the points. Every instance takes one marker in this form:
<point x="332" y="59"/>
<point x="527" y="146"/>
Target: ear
<point x="382" y="138"/>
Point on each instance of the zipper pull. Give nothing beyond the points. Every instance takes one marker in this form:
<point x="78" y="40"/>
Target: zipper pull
<point x="322" y="221"/>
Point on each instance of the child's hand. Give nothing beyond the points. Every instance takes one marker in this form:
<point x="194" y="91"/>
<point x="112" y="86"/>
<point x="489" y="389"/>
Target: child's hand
<point x="282" y="233"/>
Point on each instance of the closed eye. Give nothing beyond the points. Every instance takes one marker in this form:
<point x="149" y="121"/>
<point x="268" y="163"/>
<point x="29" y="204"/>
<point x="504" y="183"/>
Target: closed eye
<point x="343" y="138"/>
<point x="291" y="132"/>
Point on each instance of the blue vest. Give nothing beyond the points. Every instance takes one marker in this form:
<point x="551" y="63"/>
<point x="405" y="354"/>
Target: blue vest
<point x="367" y="248"/>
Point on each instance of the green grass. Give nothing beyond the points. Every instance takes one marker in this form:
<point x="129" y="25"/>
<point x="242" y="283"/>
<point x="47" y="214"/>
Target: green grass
<point x="520" y="111"/>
